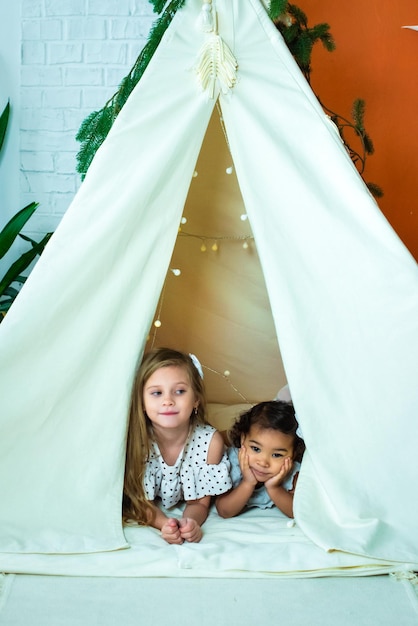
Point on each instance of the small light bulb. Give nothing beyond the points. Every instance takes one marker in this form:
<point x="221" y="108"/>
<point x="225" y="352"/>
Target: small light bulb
<point x="244" y="217"/>
<point x="215" y="247"/>
<point x="227" y="373"/>
<point x="176" y="271"/>
<point x="157" y="323"/>
<point x="229" y="170"/>
<point x="184" y="220"/>
<point x="195" y="174"/>
<point x="203" y="248"/>
<point x="245" y="245"/>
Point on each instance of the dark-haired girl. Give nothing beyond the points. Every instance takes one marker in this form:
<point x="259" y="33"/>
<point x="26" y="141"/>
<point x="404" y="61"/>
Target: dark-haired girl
<point x="265" y="459"/>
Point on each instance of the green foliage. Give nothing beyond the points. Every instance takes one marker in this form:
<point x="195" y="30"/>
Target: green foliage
<point x="14" y="226"/>
<point x="4" y="118"/>
<point x="91" y="134"/>
<point x="375" y="190"/>
<point x="277" y="8"/>
<point x="301" y="38"/>
<point x="358" y="111"/>
<point x="94" y="129"/>
<point x="354" y="128"/>
<point x="158" y="5"/>
<point x="13" y="279"/>
<point x="8" y="292"/>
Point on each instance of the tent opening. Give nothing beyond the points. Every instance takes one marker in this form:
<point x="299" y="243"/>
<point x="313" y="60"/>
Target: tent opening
<point x="214" y="302"/>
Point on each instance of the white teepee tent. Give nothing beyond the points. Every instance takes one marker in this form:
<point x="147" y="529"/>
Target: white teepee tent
<point x="343" y="292"/>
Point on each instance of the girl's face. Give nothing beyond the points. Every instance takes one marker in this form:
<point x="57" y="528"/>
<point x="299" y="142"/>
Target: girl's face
<point x="267" y="449"/>
<point x="169" y="399"/>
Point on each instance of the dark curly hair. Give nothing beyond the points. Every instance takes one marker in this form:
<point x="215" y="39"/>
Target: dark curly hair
<point x="272" y="414"/>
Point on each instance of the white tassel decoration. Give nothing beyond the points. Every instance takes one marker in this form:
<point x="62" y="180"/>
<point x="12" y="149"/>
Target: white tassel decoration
<point x="216" y="62"/>
<point x="206" y="19"/>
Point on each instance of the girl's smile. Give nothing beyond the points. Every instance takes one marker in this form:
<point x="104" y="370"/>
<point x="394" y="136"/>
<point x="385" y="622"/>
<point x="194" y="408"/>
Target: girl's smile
<point x="267" y="449"/>
<point x="169" y="399"/>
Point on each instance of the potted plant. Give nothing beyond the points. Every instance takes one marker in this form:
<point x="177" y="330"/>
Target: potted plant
<point x="12" y="280"/>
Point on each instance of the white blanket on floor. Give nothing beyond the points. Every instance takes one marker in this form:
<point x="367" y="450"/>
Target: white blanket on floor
<point x="254" y="544"/>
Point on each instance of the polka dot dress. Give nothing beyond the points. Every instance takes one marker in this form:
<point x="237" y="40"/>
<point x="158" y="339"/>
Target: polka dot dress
<point x="190" y="478"/>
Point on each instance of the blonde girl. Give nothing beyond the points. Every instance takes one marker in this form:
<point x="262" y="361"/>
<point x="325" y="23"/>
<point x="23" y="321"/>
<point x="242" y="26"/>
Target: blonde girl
<point x="172" y="453"/>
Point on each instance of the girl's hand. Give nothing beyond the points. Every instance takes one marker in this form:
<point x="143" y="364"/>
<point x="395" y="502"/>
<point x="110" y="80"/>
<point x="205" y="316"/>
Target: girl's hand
<point x="276" y="481"/>
<point x="247" y="475"/>
<point x="170" y="531"/>
<point x="190" y="530"/>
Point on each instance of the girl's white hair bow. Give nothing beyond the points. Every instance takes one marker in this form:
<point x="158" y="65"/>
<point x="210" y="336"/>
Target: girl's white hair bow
<point x="197" y="364"/>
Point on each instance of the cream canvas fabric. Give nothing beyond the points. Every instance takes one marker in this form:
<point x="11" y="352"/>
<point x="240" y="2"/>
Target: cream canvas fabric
<point x="341" y="286"/>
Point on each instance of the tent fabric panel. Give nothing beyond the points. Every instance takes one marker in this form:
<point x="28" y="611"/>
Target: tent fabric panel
<point x="344" y="295"/>
<point x="72" y="339"/>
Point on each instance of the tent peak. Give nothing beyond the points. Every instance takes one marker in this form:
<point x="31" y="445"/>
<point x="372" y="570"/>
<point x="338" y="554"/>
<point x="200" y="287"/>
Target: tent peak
<point x="216" y="62"/>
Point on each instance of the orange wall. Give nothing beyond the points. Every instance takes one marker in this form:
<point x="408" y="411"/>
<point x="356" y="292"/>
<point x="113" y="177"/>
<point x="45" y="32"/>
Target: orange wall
<point x="376" y="60"/>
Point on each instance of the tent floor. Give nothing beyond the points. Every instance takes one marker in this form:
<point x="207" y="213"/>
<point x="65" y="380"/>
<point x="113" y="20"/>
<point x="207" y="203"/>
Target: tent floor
<point x="76" y="601"/>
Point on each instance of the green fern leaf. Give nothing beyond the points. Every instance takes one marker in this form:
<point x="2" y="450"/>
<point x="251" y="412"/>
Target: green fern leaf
<point x="92" y="133"/>
<point x="158" y="5"/>
<point x="302" y="50"/>
<point x="290" y="33"/>
<point x="298" y="15"/>
<point x="375" y="190"/>
<point x="277" y="8"/>
<point x="94" y="129"/>
<point x="4" y="118"/>
<point x="328" y="42"/>
<point x="359" y="107"/>
<point x="368" y="143"/>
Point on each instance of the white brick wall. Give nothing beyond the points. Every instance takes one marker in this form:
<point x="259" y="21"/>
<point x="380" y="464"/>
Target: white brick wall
<point x="74" y="55"/>
<point x="9" y="90"/>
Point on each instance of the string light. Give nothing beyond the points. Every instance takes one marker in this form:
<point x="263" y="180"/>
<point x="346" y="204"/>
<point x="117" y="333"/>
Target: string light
<point x="214" y="241"/>
<point x="158" y="323"/>
<point x="182" y="221"/>
<point x="225" y="375"/>
<point x="229" y="170"/>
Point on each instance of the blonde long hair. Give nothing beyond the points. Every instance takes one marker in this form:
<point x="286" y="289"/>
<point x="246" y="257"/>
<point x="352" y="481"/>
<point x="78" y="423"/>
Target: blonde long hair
<point x="140" y="436"/>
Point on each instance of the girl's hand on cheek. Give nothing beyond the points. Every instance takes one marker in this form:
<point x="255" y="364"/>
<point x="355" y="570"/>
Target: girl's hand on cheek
<point x="170" y="532"/>
<point x="247" y="475"/>
<point x="286" y="468"/>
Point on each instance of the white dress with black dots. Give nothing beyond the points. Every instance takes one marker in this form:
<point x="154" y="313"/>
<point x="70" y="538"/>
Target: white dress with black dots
<point x="190" y="478"/>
